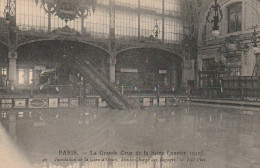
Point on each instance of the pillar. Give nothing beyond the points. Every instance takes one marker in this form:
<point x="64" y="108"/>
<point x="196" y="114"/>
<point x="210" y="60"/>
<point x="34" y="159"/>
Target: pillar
<point x="12" y="125"/>
<point x="139" y="19"/>
<point x="257" y="56"/>
<point x="112" y="61"/>
<point x="26" y="76"/>
<point x="12" y="56"/>
<point x="112" y="69"/>
<point x="1" y="67"/>
<point x="163" y="18"/>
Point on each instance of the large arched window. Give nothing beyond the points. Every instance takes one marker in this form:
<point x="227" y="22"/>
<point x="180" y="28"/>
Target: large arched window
<point x="235" y="17"/>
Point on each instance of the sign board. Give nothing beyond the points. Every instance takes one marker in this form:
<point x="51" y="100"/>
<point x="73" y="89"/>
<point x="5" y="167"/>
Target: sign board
<point x="7" y="106"/>
<point x="74" y="102"/>
<point x="64" y="100"/>
<point x="146" y="102"/>
<point x="162" y="101"/>
<point x="162" y="71"/>
<point x="91" y="102"/>
<point x="64" y="104"/>
<point x="155" y="101"/>
<point x="19" y="103"/>
<point x="39" y="124"/>
<point x="7" y="101"/>
<point x="53" y="102"/>
<point x="38" y="103"/>
<point x="129" y="70"/>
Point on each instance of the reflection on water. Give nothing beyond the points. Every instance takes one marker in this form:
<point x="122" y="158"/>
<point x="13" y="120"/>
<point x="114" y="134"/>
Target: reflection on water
<point x="214" y="137"/>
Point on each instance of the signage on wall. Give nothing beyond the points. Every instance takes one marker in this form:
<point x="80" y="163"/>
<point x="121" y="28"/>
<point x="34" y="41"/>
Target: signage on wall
<point x="7" y="103"/>
<point x="74" y="102"/>
<point x="162" y="101"/>
<point x="129" y="70"/>
<point x="162" y="71"/>
<point x="146" y="102"/>
<point x="7" y="106"/>
<point x="53" y="102"/>
<point x="19" y="103"/>
<point x="155" y="101"/>
<point x="38" y="103"/>
<point x="64" y="102"/>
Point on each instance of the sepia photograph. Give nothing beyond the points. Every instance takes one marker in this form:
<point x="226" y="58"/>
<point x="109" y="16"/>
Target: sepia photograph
<point x="129" y="83"/>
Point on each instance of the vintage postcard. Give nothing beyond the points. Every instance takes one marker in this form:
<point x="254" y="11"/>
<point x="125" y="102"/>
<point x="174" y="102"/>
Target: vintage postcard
<point x="129" y="83"/>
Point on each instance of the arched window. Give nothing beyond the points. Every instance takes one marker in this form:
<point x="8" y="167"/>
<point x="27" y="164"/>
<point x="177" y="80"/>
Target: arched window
<point x="235" y="17"/>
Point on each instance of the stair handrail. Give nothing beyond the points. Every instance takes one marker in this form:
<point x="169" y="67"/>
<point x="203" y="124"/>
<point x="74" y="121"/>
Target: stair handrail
<point x="108" y="83"/>
<point x="118" y="94"/>
<point x="103" y="89"/>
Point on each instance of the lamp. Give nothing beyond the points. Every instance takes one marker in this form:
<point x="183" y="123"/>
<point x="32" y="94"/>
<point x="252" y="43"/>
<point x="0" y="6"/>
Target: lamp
<point x="7" y="13"/>
<point x="156" y="29"/>
<point x="214" y="17"/>
<point x="7" y="18"/>
<point x="68" y="10"/>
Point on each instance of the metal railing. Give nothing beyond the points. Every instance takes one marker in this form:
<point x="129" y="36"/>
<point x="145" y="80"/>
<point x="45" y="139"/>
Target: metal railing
<point x="227" y="93"/>
<point x="102" y="85"/>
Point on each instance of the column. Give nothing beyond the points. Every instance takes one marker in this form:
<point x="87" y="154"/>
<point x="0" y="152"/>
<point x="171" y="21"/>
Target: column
<point x="34" y="79"/>
<point x="112" y="61"/>
<point x="1" y="81"/>
<point x="12" y="56"/>
<point x="112" y="69"/>
<point x="49" y="21"/>
<point x="26" y="76"/>
<point x="139" y="19"/>
<point x="257" y="56"/>
<point x="163" y="18"/>
<point x="112" y="23"/>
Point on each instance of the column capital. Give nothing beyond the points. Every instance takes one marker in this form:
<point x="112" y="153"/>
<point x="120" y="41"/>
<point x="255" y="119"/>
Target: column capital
<point x="112" y="60"/>
<point x="12" y="54"/>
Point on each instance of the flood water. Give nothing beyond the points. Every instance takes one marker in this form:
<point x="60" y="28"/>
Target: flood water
<point x="188" y="135"/>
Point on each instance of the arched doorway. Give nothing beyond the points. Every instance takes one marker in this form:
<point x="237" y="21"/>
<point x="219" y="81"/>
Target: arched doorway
<point x="45" y="56"/>
<point x="146" y="69"/>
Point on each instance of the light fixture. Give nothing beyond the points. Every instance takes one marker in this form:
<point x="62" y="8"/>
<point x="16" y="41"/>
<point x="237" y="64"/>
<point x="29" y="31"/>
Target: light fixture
<point x="156" y="29"/>
<point x="68" y="10"/>
<point x="7" y="18"/>
<point x="7" y="12"/>
<point x="214" y="17"/>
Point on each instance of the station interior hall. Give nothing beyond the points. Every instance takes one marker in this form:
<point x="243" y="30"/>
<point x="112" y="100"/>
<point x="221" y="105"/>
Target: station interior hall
<point x="176" y="80"/>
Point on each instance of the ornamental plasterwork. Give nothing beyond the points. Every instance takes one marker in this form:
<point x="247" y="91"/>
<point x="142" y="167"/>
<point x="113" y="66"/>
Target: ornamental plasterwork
<point x="124" y="43"/>
<point x="61" y="34"/>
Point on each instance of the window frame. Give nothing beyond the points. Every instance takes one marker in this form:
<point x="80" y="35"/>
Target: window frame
<point x="236" y="13"/>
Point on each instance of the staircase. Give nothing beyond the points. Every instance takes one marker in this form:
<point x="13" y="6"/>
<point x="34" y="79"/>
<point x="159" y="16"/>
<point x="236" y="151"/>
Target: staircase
<point x="102" y="86"/>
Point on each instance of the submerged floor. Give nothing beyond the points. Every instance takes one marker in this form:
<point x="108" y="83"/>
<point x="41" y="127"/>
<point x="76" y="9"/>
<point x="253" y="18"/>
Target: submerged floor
<point x="185" y="136"/>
